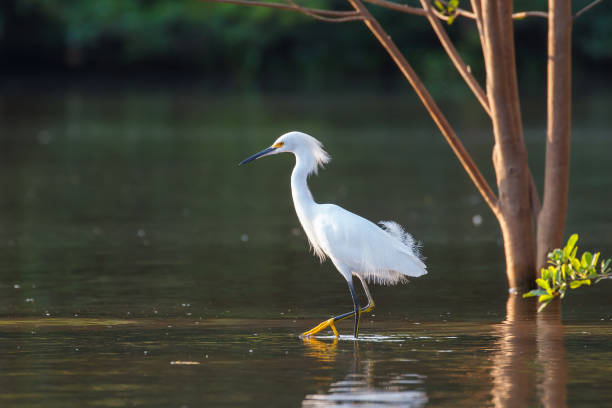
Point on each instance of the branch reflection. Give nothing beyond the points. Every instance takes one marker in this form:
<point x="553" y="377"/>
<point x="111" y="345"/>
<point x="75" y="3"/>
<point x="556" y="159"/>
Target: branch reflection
<point x="530" y="363"/>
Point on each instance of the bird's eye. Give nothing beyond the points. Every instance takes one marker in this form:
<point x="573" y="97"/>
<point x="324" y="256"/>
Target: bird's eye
<point x="279" y="144"/>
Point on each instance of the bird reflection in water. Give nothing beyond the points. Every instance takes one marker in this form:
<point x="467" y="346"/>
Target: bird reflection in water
<point x="530" y="367"/>
<point x="360" y="386"/>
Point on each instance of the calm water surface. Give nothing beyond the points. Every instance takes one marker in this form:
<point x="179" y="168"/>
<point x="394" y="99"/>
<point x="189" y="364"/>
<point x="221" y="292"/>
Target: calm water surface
<point x="141" y="267"/>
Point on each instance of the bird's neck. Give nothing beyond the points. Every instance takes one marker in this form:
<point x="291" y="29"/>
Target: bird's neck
<point x="302" y="198"/>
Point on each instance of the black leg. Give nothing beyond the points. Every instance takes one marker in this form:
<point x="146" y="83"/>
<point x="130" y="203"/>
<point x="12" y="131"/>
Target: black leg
<point x="356" y="303"/>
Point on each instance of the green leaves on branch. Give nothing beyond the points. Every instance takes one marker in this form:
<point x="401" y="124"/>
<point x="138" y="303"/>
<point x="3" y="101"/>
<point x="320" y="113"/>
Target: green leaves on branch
<point x="567" y="270"/>
<point x="447" y="8"/>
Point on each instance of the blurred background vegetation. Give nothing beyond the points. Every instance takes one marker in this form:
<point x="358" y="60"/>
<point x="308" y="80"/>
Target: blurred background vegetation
<point x="236" y="46"/>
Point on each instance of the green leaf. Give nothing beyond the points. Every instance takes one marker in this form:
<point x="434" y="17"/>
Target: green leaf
<point x="573" y="255"/>
<point x="587" y="257"/>
<point x="571" y="243"/>
<point x="595" y="259"/>
<point x="543" y="284"/>
<point x="451" y="18"/>
<point x="579" y="283"/>
<point x="567" y="271"/>
<point x="439" y="5"/>
<point x="534" y="292"/>
<point x="544" y="298"/>
<point x="604" y="266"/>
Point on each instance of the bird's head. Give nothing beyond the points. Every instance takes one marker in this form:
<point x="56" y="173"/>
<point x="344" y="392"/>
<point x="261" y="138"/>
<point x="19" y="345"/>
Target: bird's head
<point x="302" y="145"/>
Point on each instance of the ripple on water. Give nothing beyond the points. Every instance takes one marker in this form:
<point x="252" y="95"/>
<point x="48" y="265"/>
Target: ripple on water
<point x="371" y="398"/>
<point x="372" y="338"/>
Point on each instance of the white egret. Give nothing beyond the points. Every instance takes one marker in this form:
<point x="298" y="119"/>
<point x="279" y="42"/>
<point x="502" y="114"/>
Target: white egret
<point x="356" y="246"/>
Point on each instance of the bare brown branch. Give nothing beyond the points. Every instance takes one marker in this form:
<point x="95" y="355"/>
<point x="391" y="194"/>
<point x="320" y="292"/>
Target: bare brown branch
<point x="519" y="15"/>
<point x="477" y="7"/>
<point x="445" y="128"/>
<point x="319" y="12"/>
<point x="551" y="219"/>
<point x="455" y="57"/>
<point x="586" y="8"/>
<point x="316" y="16"/>
<point x="397" y="7"/>
<point x="459" y="11"/>
<point x="509" y="153"/>
<point x="417" y="11"/>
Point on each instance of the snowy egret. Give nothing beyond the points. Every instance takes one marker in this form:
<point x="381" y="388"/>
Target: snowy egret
<point x="356" y="246"/>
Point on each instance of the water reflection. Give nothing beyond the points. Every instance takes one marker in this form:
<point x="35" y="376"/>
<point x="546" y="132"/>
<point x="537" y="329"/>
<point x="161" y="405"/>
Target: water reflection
<point x="553" y="376"/>
<point x="361" y="386"/>
<point x="530" y="351"/>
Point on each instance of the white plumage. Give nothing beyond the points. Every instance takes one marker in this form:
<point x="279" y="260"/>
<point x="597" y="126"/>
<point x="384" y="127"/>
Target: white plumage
<point x="356" y="246"/>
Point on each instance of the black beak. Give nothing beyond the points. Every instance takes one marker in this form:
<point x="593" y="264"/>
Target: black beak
<point x="257" y="155"/>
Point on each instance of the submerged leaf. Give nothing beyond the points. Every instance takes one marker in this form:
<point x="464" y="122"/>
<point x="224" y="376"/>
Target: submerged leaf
<point x="543" y="305"/>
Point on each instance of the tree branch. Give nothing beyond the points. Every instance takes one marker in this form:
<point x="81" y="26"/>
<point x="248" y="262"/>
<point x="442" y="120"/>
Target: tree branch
<point x="398" y="7"/>
<point x="447" y="131"/>
<point x="313" y="14"/>
<point x="519" y="15"/>
<point x="586" y="8"/>
<point x="477" y="7"/>
<point x="455" y="57"/>
<point x="417" y="11"/>
<point x="551" y="219"/>
<point x="334" y="15"/>
<point x="459" y="11"/>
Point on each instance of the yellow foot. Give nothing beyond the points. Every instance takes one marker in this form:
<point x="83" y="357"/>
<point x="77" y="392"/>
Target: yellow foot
<point x="320" y="327"/>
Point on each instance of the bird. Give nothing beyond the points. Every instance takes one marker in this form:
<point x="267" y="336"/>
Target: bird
<point x="383" y="253"/>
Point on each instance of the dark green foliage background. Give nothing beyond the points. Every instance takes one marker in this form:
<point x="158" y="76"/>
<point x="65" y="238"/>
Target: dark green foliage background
<point x="251" y="46"/>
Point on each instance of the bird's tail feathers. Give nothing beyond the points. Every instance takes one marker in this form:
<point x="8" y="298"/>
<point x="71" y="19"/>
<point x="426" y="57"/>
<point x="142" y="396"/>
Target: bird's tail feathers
<point x="384" y="277"/>
<point x="396" y="231"/>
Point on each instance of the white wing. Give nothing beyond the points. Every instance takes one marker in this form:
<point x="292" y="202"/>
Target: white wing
<point x="363" y="247"/>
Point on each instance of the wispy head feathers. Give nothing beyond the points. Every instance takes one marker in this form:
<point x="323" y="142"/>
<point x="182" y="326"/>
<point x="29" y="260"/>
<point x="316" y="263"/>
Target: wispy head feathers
<point x="321" y="156"/>
<point x="308" y="149"/>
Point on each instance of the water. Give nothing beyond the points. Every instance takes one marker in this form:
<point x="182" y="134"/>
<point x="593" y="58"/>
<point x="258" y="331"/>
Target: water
<point x="141" y="267"/>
